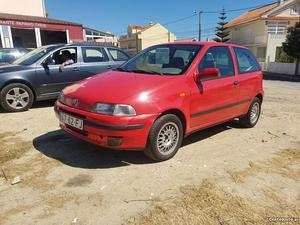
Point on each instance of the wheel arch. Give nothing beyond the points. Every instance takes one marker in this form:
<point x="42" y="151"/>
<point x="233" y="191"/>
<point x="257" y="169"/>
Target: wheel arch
<point x="20" y="81"/>
<point x="179" y="114"/>
<point x="260" y="97"/>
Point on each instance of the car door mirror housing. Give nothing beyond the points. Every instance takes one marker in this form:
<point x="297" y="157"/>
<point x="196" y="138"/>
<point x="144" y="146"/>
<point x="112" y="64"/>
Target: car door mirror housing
<point x="208" y="73"/>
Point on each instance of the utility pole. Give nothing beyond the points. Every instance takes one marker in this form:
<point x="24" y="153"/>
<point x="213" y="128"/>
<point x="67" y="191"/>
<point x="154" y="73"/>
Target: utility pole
<point x="137" y="41"/>
<point x="200" y="25"/>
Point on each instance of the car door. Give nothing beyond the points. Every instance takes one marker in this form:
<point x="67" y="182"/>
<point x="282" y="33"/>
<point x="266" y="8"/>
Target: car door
<point x="118" y="56"/>
<point x="249" y="77"/>
<point x="51" y="78"/>
<point x="214" y="100"/>
<point x="94" y="61"/>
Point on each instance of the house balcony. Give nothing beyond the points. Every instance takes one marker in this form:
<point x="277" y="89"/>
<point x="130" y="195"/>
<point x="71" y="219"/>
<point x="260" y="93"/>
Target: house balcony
<point x="264" y="40"/>
<point x="251" y="40"/>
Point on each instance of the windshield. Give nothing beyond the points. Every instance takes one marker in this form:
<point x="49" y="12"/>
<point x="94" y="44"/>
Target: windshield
<point x="163" y="60"/>
<point x="33" y="56"/>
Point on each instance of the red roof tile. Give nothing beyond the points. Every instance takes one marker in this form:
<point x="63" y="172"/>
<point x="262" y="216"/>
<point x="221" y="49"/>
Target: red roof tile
<point x="252" y="15"/>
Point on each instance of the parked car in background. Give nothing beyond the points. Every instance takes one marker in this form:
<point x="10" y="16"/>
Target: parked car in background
<point x="42" y="73"/>
<point x="162" y="95"/>
<point x="8" y="55"/>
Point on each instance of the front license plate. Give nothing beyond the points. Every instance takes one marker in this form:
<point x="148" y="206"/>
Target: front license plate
<point x="71" y="121"/>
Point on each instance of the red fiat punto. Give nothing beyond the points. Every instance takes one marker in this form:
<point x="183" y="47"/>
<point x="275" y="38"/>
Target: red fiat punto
<point x="162" y="95"/>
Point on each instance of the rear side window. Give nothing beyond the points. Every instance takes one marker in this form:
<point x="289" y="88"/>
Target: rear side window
<point x="91" y="54"/>
<point x="218" y="57"/>
<point x="246" y="60"/>
<point x="118" y="55"/>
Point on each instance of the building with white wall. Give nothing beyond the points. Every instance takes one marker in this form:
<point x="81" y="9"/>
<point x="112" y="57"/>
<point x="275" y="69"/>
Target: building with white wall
<point x="263" y="30"/>
<point x="23" y="7"/>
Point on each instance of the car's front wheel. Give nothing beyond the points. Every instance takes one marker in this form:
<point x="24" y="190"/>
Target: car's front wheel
<point x="165" y="138"/>
<point x="16" y="97"/>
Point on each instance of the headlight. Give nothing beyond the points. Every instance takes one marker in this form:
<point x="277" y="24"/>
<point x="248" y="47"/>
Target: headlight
<point x="114" y="109"/>
<point x="61" y="97"/>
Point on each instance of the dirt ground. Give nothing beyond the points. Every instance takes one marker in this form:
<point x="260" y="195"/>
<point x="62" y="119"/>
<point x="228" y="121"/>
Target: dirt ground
<point x="223" y="175"/>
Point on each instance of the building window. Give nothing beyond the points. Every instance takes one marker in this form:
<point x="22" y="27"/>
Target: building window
<point x="295" y="10"/>
<point x="49" y="37"/>
<point x="277" y="27"/>
<point x="23" y="38"/>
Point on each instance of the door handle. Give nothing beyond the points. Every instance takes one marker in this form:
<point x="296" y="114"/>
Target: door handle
<point x="75" y="69"/>
<point x="236" y="82"/>
<point x="109" y="67"/>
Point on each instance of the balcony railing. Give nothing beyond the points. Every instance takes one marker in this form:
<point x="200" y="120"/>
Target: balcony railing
<point x="258" y="40"/>
<point x="250" y="40"/>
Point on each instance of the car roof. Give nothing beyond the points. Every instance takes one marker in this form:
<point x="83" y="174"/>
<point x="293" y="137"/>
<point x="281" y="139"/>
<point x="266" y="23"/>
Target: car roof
<point x="79" y="45"/>
<point x="208" y="43"/>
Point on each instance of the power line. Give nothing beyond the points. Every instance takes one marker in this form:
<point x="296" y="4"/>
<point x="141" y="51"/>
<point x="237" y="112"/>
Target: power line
<point x="236" y="10"/>
<point x="179" y="20"/>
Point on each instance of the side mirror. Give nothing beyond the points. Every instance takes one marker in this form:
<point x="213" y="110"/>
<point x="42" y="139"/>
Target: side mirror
<point x="208" y="73"/>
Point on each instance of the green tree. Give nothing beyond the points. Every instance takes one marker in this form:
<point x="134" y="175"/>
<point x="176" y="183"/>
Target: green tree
<point x="221" y="30"/>
<point x="292" y="44"/>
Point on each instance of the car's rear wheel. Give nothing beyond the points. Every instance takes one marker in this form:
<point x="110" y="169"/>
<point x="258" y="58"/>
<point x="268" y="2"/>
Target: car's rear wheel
<point x="165" y="138"/>
<point x="16" y="97"/>
<point x="251" y="118"/>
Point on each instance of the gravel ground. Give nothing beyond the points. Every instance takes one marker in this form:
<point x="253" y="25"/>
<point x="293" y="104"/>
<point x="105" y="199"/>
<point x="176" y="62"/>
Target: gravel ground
<point x="62" y="180"/>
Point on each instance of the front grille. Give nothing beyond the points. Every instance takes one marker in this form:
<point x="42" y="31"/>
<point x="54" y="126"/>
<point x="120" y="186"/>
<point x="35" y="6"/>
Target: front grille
<point x="72" y="113"/>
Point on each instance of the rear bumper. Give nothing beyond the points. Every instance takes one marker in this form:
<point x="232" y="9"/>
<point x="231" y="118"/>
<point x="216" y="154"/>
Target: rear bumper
<point x="129" y="133"/>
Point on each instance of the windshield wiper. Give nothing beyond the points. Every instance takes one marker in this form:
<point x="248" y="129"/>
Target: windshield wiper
<point x="147" y="72"/>
<point x="120" y="69"/>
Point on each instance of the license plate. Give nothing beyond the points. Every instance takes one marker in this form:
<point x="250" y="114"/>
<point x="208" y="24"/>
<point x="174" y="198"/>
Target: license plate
<point x="71" y="121"/>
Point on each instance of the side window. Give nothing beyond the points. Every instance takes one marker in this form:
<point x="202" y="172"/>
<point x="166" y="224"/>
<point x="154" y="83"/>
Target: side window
<point x="94" y="54"/>
<point x="118" y="55"/>
<point x="65" y="55"/>
<point x="218" y="57"/>
<point x="246" y="60"/>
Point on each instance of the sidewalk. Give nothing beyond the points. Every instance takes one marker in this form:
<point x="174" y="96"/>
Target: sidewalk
<point x="281" y="77"/>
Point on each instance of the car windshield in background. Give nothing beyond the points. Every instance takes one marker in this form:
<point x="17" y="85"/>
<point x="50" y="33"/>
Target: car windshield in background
<point x="33" y="56"/>
<point x="10" y="55"/>
<point x="163" y="60"/>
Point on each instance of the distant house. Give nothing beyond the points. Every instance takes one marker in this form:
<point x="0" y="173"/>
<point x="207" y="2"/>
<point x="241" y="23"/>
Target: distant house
<point x="264" y="29"/>
<point x="93" y="35"/>
<point x="141" y="37"/>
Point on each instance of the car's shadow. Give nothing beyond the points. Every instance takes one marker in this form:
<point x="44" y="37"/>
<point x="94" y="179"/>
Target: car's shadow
<point x="43" y="104"/>
<point x="76" y="153"/>
<point x="36" y="105"/>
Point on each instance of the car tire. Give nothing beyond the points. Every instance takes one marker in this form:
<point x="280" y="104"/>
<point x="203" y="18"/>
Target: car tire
<point x="16" y="97"/>
<point x="165" y="138"/>
<point x="253" y="114"/>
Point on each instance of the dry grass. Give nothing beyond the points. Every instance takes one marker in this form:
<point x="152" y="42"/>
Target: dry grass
<point x="209" y="204"/>
<point x="280" y="164"/>
<point x="12" y="147"/>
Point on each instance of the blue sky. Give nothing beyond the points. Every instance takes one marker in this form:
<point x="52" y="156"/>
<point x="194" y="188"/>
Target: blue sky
<point x="116" y="15"/>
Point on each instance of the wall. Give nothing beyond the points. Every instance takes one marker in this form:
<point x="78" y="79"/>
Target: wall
<point x="157" y="34"/>
<point x="249" y="34"/>
<point x="23" y="7"/>
<point x="274" y="41"/>
<point x="281" y="68"/>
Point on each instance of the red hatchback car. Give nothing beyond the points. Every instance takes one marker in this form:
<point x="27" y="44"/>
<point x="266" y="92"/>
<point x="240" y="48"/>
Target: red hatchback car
<point x="162" y="95"/>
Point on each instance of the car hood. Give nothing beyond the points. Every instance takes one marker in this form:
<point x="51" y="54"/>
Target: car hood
<point x="12" y="68"/>
<point x="115" y="87"/>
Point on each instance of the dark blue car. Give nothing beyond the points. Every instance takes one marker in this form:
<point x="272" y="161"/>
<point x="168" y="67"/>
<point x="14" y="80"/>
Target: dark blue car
<point x="42" y="73"/>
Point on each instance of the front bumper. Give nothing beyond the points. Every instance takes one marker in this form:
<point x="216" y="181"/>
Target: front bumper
<point x="109" y="131"/>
